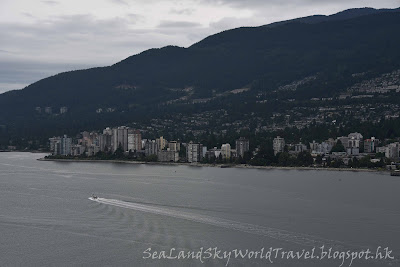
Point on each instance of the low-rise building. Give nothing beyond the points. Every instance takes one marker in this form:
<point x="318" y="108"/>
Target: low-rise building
<point x="300" y="147"/>
<point x="320" y="148"/>
<point x="381" y="149"/>
<point x="174" y="146"/>
<point x="353" y="151"/>
<point x="168" y="156"/>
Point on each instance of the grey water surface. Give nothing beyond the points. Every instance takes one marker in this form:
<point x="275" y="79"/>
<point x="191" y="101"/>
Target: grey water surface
<point x="47" y="218"/>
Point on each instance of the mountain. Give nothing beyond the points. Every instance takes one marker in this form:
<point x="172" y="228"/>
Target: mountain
<point x="258" y="60"/>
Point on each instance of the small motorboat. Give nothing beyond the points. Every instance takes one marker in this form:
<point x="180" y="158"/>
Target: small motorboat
<point x="94" y="196"/>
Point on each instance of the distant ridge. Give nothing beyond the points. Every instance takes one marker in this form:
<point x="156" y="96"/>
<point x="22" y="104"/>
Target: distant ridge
<point x="343" y="15"/>
<point x="256" y="60"/>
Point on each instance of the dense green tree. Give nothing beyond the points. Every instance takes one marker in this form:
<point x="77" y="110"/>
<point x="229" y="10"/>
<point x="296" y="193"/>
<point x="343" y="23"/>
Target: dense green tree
<point x="338" y="147"/>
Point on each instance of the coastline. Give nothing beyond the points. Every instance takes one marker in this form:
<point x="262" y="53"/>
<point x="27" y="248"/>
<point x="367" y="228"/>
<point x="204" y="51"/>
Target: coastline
<point x="25" y="151"/>
<point x="242" y="166"/>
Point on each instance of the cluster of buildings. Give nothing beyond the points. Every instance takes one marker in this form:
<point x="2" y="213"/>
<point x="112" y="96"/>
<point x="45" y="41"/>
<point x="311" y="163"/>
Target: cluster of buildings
<point x="196" y="152"/>
<point x="130" y="142"/>
<point x="61" y="145"/>
<point x="49" y="110"/>
<point x="388" y="82"/>
<point x="354" y="145"/>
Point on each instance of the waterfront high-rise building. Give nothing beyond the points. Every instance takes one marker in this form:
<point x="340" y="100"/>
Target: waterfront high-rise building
<point x="392" y="151"/>
<point x="161" y="142"/>
<point x="151" y="148"/>
<point x="242" y="146"/>
<point x="53" y="141"/>
<point x="194" y="152"/>
<point x="353" y="143"/>
<point x="61" y="145"/>
<point x="120" y="138"/>
<point x="278" y="145"/>
<point x="354" y="140"/>
<point x="226" y="151"/>
<point x="370" y="145"/>
<point x="105" y="142"/>
<point x="134" y="140"/>
<point x="108" y="131"/>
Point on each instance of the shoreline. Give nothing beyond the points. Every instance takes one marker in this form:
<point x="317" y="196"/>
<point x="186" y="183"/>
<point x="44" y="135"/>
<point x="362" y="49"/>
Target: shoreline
<point x="25" y="151"/>
<point x="241" y="166"/>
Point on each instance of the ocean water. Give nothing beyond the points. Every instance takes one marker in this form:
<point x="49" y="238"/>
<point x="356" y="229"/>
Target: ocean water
<point x="47" y="217"/>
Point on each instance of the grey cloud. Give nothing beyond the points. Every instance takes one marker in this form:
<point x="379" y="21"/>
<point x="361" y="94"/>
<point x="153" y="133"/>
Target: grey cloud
<point x="5" y="51"/>
<point x="4" y="87"/>
<point x="134" y="18"/>
<point x="292" y="6"/>
<point x="249" y="3"/>
<point x="19" y="74"/>
<point x="45" y="47"/>
<point x="29" y="15"/>
<point x="65" y="26"/>
<point x="230" y="23"/>
<point x="83" y="35"/>
<point x="184" y="11"/>
<point x="78" y="38"/>
<point x="266" y="12"/>
<point x="120" y="2"/>
<point x="178" y="24"/>
<point x="51" y="3"/>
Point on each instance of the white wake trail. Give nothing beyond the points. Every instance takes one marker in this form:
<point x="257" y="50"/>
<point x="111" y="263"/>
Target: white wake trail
<point x="275" y="233"/>
<point x="279" y="234"/>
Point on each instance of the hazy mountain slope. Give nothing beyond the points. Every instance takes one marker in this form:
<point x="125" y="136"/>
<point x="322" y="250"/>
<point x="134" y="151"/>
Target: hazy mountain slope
<point x="261" y="58"/>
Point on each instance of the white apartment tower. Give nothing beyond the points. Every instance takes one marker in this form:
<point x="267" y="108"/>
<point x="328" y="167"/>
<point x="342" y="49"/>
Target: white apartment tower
<point x="242" y="146"/>
<point x="120" y="137"/>
<point x="226" y="151"/>
<point x="134" y="140"/>
<point x="194" y="152"/>
<point x="278" y="145"/>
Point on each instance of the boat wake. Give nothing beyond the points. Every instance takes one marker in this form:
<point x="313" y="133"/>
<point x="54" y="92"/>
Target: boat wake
<point x="275" y="233"/>
<point x="297" y="238"/>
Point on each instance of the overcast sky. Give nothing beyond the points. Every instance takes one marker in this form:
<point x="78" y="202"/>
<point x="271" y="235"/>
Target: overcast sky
<point x="42" y="38"/>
